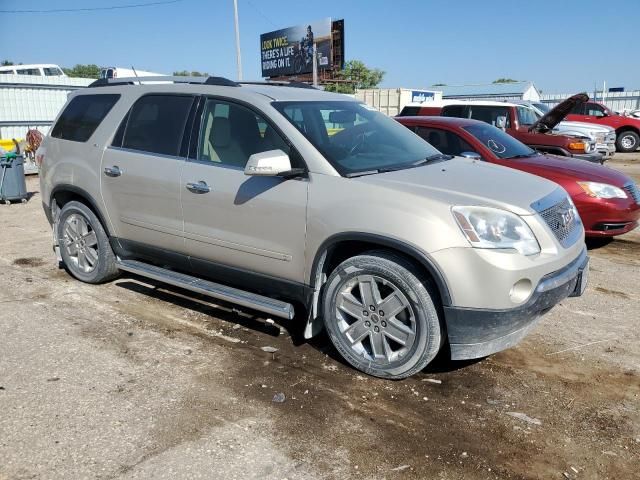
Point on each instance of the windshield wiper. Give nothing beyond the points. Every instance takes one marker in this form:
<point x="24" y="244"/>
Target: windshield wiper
<point x="360" y="174"/>
<point x="522" y="155"/>
<point x="419" y="163"/>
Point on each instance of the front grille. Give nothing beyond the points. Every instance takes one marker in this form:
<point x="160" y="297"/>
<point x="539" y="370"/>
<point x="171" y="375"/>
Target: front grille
<point x="563" y="221"/>
<point x="633" y="190"/>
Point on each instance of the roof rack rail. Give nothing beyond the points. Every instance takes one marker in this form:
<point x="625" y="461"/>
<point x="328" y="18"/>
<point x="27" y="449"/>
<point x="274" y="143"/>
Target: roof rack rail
<point x="110" y="82"/>
<point x="281" y="83"/>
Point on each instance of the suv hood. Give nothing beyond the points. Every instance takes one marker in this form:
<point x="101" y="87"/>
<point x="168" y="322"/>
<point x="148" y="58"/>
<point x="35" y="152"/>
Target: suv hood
<point x="462" y="181"/>
<point x="555" y="115"/>
<point x="552" y="166"/>
<point x="592" y="127"/>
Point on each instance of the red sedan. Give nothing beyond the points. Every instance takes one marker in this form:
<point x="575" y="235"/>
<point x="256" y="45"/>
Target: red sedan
<point x="608" y="201"/>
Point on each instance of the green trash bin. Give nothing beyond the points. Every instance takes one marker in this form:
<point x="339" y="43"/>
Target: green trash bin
<point x="13" y="186"/>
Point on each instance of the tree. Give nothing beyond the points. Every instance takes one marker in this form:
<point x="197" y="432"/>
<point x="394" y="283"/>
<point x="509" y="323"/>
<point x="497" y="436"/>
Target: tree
<point x="83" y="71"/>
<point x="506" y="80"/>
<point x="187" y="73"/>
<point x="358" y="76"/>
<point x="6" y="63"/>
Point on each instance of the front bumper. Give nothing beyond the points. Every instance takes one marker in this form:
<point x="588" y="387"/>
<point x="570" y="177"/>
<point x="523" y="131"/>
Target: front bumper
<point x="606" y="149"/>
<point x="476" y="333"/>
<point x="595" y="157"/>
<point x="607" y="217"/>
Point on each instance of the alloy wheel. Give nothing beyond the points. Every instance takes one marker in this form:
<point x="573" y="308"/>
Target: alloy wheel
<point x="80" y="243"/>
<point x="375" y="318"/>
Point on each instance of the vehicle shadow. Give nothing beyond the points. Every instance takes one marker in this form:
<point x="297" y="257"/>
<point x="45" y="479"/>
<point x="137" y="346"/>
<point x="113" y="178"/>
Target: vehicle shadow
<point x="200" y="303"/>
<point x="256" y="321"/>
<point x="596" y="243"/>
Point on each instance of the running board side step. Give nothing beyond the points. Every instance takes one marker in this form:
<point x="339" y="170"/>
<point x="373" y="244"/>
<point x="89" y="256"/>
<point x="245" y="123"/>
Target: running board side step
<point x="210" y="289"/>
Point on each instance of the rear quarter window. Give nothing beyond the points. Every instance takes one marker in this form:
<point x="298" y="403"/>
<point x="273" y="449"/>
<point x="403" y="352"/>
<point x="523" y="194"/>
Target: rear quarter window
<point x="456" y="111"/>
<point x="82" y="116"/>
<point x="410" y="111"/>
<point x="156" y="123"/>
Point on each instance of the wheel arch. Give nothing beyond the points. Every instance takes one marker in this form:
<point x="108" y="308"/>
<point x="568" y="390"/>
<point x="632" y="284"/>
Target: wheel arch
<point x="626" y="128"/>
<point x="339" y="247"/>
<point x="65" y="193"/>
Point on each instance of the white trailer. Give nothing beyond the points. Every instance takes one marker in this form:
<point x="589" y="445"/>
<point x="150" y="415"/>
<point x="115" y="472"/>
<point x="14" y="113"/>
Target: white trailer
<point x="391" y="101"/>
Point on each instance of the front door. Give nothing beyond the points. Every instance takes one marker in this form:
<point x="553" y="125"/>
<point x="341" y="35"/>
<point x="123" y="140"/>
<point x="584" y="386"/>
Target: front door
<point x="255" y="224"/>
<point x="140" y="174"/>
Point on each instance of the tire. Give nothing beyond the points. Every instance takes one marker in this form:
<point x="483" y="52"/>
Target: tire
<point x="84" y="245"/>
<point x="375" y="342"/>
<point x="627" y="141"/>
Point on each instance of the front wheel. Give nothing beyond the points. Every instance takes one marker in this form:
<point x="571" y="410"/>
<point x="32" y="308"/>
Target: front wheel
<point x="380" y="315"/>
<point x="627" y="141"/>
<point x="84" y="244"/>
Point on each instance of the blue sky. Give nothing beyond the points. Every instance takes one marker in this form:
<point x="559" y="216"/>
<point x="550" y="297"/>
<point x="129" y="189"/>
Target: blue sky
<point x="562" y="45"/>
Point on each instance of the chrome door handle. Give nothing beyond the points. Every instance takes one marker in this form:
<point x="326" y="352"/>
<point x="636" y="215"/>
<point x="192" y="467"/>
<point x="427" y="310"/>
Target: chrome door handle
<point x="199" y="187"/>
<point x="112" y="171"/>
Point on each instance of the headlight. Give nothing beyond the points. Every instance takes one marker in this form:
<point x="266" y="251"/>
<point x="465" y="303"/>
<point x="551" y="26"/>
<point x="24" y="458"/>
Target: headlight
<point x="487" y="227"/>
<point x="602" y="190"/>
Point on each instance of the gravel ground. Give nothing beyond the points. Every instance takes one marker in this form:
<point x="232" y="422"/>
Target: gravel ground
<point x="136" y="380"/>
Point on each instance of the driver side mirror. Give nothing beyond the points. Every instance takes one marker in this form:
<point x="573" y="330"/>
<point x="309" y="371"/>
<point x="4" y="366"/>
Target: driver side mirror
<point x="501" y="122"/>
<point x="272" y="163"/>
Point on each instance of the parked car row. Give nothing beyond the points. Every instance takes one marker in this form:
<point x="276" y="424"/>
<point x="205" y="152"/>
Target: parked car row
<point x="607" y="200"/>
<point x="308" y="204"/>
<point x="539" y="131"/>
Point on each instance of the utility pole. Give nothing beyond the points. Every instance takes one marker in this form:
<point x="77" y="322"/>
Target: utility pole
<point x="315" y="66"/>
<point x="238" y="57"/>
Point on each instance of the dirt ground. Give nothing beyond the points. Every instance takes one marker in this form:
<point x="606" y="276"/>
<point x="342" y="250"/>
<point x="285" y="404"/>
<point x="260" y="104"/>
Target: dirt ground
<point x="136" y="380"/>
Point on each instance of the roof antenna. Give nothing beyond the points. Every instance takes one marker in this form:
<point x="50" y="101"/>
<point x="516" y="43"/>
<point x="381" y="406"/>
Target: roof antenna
<point x="135" y="73"/>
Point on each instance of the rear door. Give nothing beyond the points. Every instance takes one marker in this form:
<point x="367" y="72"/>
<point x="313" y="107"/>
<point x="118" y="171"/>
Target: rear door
<point x="140" y="174"/>
<point x="248" y="223"/>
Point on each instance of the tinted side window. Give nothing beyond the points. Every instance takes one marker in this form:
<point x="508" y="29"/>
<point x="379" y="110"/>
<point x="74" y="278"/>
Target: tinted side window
<point x="28" y="71"/>
<point x="595" y="110"/>
<point x="445" y="141"/>
<point x="489" y="114"/>
<point x="578" y="109"/>
<point x="230" y="134"/>
<point x="82" y="116"/>
<point x="156" y="124"/>
<point x="410" y="111"/>
<point x="453" y="111"/>
<point x="526" y="116"/>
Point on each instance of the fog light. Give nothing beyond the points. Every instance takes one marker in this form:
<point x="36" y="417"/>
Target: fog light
<point x="520" y="290"/>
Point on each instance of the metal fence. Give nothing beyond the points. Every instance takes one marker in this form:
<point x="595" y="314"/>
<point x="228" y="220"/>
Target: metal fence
<point x="616" y="101"/>
<point x="32" y="102"/>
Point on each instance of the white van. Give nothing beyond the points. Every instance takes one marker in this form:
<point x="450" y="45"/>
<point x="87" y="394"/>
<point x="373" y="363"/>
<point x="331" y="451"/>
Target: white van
<point x="40" y="69"/>
<point x="118" y="72"/>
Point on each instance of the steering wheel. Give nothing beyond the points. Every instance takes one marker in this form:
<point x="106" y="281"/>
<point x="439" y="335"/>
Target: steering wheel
<point x="358" y="143"/>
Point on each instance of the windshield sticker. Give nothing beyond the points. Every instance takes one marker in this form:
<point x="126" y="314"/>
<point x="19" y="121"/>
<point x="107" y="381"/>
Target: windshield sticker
<point x="496" y="146"/>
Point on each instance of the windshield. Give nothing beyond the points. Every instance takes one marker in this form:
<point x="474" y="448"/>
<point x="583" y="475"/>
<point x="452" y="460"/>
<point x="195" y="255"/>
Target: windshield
<point x="542" y="107"/>
<point x="500" y="143"/>
<point x="354" y="138"/>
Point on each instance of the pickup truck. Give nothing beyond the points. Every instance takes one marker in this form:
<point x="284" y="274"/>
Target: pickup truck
<point x="627" y="128"/>
<point x="522" y="123"/>
<point x="604" y="136"/>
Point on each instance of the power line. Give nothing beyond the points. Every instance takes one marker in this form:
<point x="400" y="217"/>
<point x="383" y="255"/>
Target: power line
<point x="261" y="13"/>
<point x="93" y="9"/>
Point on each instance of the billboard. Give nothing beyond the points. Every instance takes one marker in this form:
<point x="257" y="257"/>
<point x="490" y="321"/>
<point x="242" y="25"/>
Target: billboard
<point x="289" y="51"/>
<point x="420" y="96"/>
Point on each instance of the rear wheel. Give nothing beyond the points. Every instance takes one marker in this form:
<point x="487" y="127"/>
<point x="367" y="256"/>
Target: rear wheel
<point x="84" y="244"/>
<point x="380" y="315"/>
<point x="627" y="141"/>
